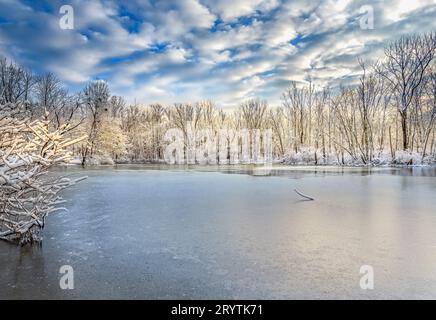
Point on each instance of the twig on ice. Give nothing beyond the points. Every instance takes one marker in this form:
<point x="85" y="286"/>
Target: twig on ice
<point x="303" y="195"/>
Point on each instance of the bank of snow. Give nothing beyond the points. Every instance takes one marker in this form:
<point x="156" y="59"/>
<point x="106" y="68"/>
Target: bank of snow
<point x="304" y="157"/>
<point x="308" y="156"/>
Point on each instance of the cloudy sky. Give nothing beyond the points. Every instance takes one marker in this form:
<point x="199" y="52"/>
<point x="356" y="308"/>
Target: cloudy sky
<point x="186" y="50"/>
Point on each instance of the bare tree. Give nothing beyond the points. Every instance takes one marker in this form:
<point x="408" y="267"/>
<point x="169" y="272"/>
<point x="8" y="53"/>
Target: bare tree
<point x="50" y="96"/>
<point x="116" y="106"/>
<point x="297" y="103"/>
<point x="404" y="68"/>
<point x="276" y="117"/>
<point x="429" y="118"/>
<point x="370" y="93"/>
<point x="322" y="102"/>
<point x="95" y="99"/>
<point x="253" y="114"/>
<point x="15" y="82"/>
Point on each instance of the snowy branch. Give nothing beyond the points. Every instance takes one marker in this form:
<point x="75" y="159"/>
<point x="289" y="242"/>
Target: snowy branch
<point x="27" y="191"/>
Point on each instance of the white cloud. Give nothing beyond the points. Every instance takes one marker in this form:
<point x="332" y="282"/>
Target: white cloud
<point x="225" y="50"/>
<point x="229" y="10"/>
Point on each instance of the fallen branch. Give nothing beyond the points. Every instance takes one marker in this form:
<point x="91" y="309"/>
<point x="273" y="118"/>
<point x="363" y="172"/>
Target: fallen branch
<point x="303" y="195"/>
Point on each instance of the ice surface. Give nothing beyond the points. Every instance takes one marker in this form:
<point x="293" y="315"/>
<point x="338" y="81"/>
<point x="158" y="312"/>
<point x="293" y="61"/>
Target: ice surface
<point x="142" y="232"/>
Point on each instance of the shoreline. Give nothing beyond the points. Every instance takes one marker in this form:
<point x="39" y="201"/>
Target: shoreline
<point x="276" y="165"/>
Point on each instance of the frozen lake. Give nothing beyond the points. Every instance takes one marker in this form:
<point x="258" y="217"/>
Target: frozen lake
<point x="157" y="232"/>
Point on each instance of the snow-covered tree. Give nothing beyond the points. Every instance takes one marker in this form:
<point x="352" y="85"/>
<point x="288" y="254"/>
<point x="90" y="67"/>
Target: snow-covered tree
<point x="95" y="98"/>
<point x="111" y="140"/>
<point x="27" y="192"/>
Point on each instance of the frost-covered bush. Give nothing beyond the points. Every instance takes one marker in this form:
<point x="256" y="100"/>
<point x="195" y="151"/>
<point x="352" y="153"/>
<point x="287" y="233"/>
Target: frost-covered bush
<point x="407" y="158"/>
<point x="27" y="194"/>
<point x="429" y="159"/>
<point x="304" y="156"/>
<point x="382" y="159"/>
<point x="99" y="161"/>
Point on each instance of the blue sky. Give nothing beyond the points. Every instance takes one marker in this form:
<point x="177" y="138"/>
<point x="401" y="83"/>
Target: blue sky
<point x="186" y="50"/>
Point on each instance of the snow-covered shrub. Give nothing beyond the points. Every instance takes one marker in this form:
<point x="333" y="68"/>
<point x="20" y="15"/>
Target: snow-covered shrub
<point x="407" y="158"/>
<point x="429" y="159"/>
<point x="27" y="194"/>
<point x="382" y="159"/>
<point x="107" y="161"/>
<point x="304" y="156"/>
<point x="97" y="160"/>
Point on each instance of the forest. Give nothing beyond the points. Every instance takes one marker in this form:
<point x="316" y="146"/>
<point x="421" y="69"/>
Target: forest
<point x="386" y="117"/>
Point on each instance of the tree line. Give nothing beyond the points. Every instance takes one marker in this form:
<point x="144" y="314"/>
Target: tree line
<point x="388" y="116"/>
